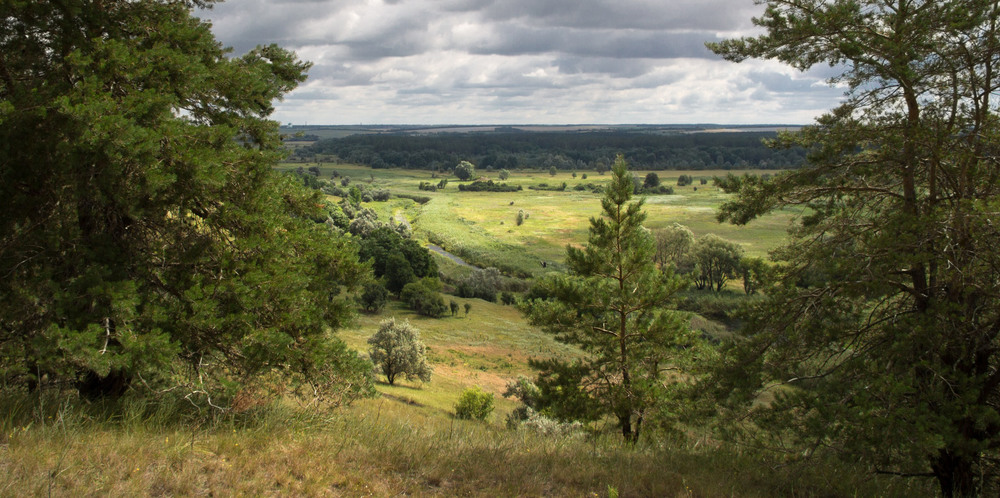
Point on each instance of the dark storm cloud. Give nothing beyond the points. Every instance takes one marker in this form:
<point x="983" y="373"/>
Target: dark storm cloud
<point x="512" y="60"/>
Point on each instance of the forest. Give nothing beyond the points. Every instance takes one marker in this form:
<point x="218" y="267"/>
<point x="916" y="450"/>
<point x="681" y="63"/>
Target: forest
<point x="646" y="148"/>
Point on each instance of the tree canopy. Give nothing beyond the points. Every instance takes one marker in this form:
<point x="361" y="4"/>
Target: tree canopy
<point x="144" y="238"/>
<point x="886" y="313"/>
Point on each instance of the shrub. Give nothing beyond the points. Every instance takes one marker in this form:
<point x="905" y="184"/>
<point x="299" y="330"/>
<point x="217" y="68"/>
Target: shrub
<point x="373" y="297"/>
<point x="483" y="284"/>
<point x="423" y="296"/>
<point x="652" y="180"/>
<point x="488" y="186"/>
<point x="474" y="404"/>
<point x="508" y="298"/>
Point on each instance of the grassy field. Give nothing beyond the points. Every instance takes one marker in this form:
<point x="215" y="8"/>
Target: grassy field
<point x="480" y="226"/>
<point x="379" y="447"/>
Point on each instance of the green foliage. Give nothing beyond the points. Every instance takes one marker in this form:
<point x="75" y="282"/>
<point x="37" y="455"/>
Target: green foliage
<point x="482" y="284"/>
<point x="553" y="170"/>
<point x="399" y="260"/>
<point x="465" y="170"/>
<point x="716" y="261"/>
<point x="674" y="244"/>
<point x="559" y="391"/>
<point x="652" y="180"/>
<point x="396" y="349"/>
<point x="474" y="404"/>
<point x="488" y="186"/>
<point x="569" y="150"/>
<point x="684" y="180"/>
<point x="615" y="304"/>
<point x="143" y="233"/>
<point x="424" y="297"/>
<point x="374" y="297"/>
<point x="892" y="348"/>
<point x="504" y="174"/>
<point x="756" y="273"/>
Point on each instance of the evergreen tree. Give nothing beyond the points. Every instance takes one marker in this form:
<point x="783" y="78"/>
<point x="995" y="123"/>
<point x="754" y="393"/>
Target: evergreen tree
<point x="886" y="315"/>
<point x="616" y="305"/>
<point x="143" y="233"/>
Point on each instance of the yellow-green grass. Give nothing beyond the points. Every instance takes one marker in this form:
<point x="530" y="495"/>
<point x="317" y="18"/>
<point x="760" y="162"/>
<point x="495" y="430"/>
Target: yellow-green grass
<point x="481" y="226"/>
<point x="383" y="447"/>
<point x="488" y="348"/>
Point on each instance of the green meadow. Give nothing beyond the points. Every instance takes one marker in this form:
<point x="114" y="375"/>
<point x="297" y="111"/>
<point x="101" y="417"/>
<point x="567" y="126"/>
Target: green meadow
<point x="481" y="227"/>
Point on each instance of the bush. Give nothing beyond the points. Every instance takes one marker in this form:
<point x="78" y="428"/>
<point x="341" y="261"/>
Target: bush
<point x="488" y="186"/>
<point x="474" y="404"/>
<point x="483" y="284"/>
<point x="423" y="296"/>
<point x="373" y="297"/>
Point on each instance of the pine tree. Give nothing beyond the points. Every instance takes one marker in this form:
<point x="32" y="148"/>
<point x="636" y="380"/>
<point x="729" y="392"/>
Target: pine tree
<point x="144" y="238"/>
<point x="885" y="319"/>
<point x="616" y="305"/>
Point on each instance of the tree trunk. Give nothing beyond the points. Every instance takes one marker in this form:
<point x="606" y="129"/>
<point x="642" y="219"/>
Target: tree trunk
<point x="955" y="475"/>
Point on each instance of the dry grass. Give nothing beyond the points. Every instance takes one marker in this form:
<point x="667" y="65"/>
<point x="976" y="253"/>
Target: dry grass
<point x="385" y="447"/>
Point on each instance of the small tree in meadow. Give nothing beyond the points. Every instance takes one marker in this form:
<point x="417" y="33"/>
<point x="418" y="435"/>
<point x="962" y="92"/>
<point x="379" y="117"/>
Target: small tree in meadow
<point x="467" y="308"/>
<point x="504" y="174"/>
<point x="454" y="307"/>
<point x="396" y="349"/>
<point x="465" y="170"/>
<point x="552" y="170"/>
<point x="474" y="404"/>
<point x="652" y="180"/>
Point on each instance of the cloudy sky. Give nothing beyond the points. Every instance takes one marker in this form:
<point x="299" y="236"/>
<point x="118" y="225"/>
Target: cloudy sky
<point x="522" y="62"/>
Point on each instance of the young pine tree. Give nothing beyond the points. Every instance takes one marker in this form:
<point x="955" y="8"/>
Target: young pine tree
<point x="616" y="305"/>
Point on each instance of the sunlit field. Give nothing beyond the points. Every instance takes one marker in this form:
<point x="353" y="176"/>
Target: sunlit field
<point x="481" y="226"/>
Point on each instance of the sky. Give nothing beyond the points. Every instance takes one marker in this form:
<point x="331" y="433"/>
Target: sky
<point x="522" y="62"/>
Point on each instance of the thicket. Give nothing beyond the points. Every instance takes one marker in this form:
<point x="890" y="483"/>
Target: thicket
<point x="488" y="186"/>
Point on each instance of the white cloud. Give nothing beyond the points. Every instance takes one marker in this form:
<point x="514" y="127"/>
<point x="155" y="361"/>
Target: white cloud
<point x="521" y="61"/>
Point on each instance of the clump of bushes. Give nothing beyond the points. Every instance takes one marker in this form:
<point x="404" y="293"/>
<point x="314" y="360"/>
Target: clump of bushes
<point x="424" y="297"/>
<point x="474" y="404"/>
<point x="488" y="186"/>
<point x="545" y="186"/>
<point x="482" y="284"/>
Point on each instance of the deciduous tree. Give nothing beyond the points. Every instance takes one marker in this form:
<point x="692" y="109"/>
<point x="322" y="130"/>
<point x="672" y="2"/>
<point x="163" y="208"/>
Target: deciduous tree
<point x="396" y="349"/>
<point x="465" y="170"/>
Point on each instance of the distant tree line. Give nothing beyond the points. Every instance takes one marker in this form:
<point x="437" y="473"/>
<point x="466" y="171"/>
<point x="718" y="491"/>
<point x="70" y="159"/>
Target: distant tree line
<point x="561" y="151"/>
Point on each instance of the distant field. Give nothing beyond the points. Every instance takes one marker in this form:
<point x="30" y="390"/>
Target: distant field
<point x="480" y="226"/>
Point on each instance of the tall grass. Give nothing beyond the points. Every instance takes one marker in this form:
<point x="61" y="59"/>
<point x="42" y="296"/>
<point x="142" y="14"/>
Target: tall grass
<point x="379" y="447"/>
